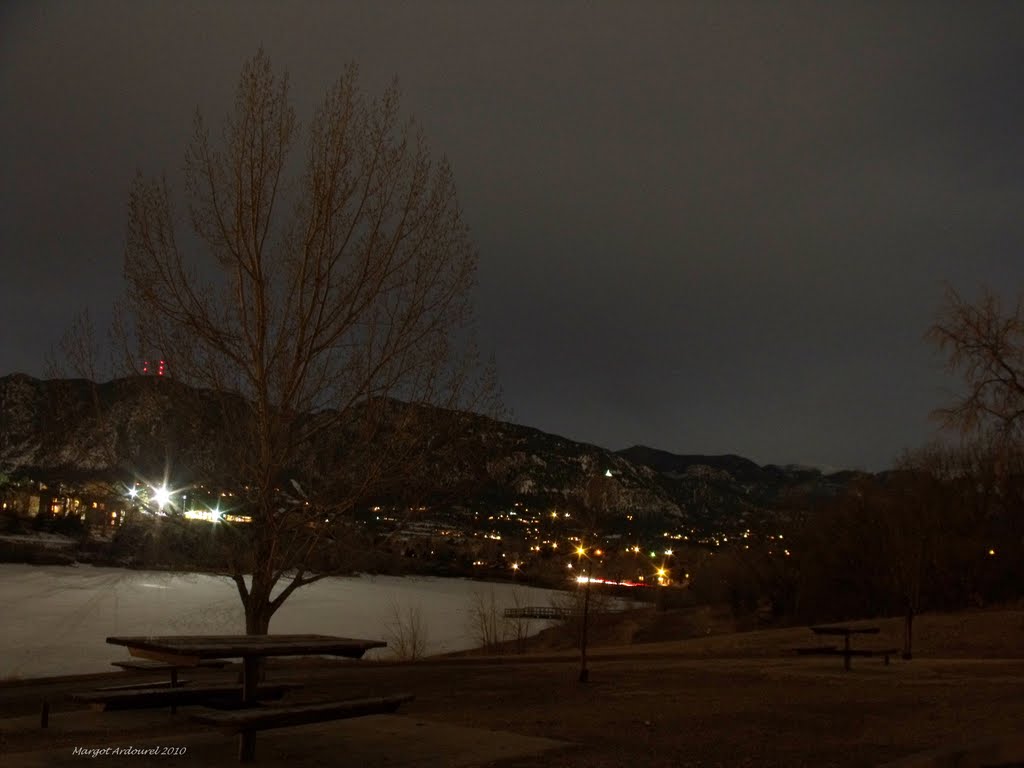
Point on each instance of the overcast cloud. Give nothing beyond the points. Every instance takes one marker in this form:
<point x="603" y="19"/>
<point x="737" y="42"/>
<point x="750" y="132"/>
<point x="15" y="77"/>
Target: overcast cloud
<point x="707" y="227"/>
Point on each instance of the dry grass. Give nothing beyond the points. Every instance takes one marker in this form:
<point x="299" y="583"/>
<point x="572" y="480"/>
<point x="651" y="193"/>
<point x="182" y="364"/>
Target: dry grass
<point x="713" y="632"/>
<point x="720" y="700"/>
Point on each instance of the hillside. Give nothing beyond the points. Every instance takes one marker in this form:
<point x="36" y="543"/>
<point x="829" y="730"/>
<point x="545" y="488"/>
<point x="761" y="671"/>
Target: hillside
<point x="71" y="430"/>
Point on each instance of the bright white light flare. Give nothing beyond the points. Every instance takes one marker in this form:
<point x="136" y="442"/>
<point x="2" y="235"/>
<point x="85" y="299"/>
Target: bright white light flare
<point x="161" y="496"/>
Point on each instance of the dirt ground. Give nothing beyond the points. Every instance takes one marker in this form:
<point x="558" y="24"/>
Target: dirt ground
<point x="742" y="699"/>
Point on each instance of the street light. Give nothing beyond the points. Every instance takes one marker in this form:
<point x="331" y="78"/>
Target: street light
<point x="161" y="496"/>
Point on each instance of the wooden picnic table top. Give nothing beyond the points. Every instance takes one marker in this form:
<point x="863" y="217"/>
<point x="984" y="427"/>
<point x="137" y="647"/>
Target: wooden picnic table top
<point x="846" y="630"/>
<point x="190" y="649"/>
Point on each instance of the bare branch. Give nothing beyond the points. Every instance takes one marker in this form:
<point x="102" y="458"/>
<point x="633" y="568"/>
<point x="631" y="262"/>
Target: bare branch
<point x="985" y="345"/>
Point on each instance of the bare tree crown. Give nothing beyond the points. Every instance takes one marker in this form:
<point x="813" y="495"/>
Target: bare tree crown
<point x="313" y="290"/>
<point x="984" y="342"/>
<point x="317" y="281"/>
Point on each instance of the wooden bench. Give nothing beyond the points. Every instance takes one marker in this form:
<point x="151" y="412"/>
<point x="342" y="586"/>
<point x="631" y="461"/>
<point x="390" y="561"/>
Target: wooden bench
<point x="246" y="722"/>
<point x="817" y="650"/>
<point x="138" y="686"/>
<point x="166" y="696"/>
<point x="145" y="665"/>
<point x="847" y="653"/>
<point x="884" y="652"/>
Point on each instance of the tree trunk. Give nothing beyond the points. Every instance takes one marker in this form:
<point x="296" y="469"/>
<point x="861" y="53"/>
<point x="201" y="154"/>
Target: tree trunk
<point x="258" y="608"/>
<point x="257" y="619"/>
<point x="257" y="622"/>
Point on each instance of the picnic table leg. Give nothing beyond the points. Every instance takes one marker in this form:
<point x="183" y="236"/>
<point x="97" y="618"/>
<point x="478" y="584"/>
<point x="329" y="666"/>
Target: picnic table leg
<point x="174" y="684"/>
<point x="250" y="679"/>
<point x="846" y="653"/>
<point x="246" y="746"/>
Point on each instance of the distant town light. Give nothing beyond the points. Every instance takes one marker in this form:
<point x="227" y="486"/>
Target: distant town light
<point x="607" y="473"/>
<point x="161" y="496"/>
<point x="202" y="514"/>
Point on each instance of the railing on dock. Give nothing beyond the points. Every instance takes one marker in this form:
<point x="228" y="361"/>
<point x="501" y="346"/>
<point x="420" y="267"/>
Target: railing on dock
<point x="541" y="612"/>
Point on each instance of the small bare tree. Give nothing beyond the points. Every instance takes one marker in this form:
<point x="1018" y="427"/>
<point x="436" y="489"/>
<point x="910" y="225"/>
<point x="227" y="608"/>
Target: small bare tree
<point x="518" y="627"/>
<point x="485" y="621"/>
<point x="321" y="302"/>
<point x="406" y="631"/>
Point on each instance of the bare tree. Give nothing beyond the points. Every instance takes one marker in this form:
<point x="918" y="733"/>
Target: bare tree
<point x="77" y="352"/>
<point x="406" y="630"/>
<point x="319" y="301"/>
<point x="485" y="622"/>
<point x="985" y="344"/>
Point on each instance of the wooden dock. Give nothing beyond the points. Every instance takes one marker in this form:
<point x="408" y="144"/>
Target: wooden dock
<point x="541" y="612"/>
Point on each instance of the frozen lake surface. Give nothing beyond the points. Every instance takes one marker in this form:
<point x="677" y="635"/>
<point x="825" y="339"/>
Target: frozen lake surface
<point x="56" y="618"/>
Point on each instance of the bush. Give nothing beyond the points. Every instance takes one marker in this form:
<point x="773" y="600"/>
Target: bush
<point x="406" y="631"/>
<point x="486" y="620"/>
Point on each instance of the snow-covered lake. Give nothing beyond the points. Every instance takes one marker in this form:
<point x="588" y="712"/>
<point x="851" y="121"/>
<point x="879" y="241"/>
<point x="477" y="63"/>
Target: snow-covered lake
<point x="56" y="618"/>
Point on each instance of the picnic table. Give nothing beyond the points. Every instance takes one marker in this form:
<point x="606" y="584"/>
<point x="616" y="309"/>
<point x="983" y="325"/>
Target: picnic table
<point x="847" y="652"/>
<point x="192" y="650"/>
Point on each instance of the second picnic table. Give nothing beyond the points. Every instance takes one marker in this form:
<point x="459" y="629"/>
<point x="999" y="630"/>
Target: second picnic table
<point x="846" y="632"/>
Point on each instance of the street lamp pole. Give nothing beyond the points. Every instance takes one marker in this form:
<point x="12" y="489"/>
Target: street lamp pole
<point x="584" y="672"/>
<point x="600" y="491"/>
<point x="581" y="551"/>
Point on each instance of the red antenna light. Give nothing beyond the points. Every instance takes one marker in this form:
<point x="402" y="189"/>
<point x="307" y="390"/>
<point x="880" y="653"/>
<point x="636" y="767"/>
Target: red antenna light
<point x="160" y="369"/>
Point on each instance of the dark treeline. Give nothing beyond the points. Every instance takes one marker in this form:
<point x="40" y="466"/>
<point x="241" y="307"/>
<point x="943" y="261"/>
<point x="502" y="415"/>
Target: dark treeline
<point x="943" y="531"/>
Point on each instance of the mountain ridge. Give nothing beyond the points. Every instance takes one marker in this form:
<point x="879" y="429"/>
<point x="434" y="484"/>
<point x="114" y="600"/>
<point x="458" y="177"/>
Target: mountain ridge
<point x="73" y="428"/>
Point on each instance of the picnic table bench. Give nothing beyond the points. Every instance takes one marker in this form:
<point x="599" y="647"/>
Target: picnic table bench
<point x="245" y="722"/>
<point x="149" y="684"/>
<point x="846" y="651"/>
<point x="165" y="695"/>
<point x="816" y="650"/>
<point x="149" y="665"/>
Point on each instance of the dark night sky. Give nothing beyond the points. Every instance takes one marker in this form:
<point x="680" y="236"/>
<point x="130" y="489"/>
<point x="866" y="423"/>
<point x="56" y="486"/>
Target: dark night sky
<point x="707" y="227"/>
